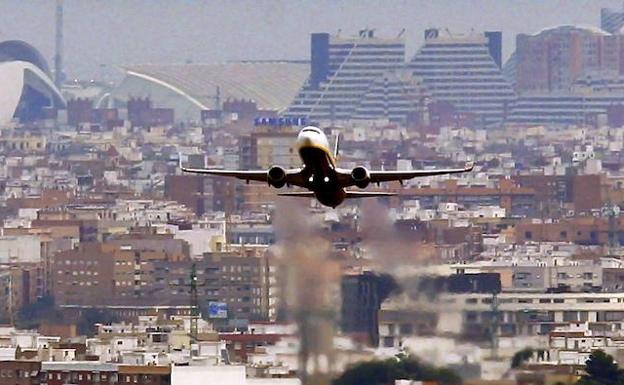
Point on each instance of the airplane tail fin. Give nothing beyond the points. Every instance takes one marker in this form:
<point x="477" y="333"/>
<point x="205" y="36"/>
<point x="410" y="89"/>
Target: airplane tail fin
<point x="337" y="146"/>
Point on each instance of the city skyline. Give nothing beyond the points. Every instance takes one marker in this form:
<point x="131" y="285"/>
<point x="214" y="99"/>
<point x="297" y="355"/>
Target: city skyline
<point x="127" y="255"/>
<point x="100" y="36"/>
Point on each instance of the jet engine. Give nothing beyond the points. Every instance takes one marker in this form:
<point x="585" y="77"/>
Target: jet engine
<point x="276" y="176"/>
<point x="361" y="176"/>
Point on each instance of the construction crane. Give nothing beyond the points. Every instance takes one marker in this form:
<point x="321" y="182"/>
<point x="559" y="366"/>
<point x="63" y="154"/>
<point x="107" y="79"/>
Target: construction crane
<point x="194" y="304"/>
<point x="193" y="301"/>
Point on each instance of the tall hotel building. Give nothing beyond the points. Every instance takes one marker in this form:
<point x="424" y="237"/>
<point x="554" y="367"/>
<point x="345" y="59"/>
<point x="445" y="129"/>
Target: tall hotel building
<point x="342" y="71"/>
<point x="465" y="70"/>
<point x="396" y="96"/>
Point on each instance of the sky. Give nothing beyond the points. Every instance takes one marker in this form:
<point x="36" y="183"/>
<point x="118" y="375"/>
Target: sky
<point x="102" y="35"/>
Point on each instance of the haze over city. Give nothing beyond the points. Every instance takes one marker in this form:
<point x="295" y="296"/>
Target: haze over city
<point x="311" y="192"/>
<point x="101" y="34"/>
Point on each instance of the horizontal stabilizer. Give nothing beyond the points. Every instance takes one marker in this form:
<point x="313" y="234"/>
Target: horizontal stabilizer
<point x="300" y="194"/>
<point x="367" y="194"/>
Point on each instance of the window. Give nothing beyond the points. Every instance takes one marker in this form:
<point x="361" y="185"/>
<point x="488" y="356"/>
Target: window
<point x="406" y="329"/>
<point x="525" y="300"/>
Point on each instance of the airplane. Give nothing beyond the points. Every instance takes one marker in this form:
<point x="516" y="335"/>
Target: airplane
<point x="320" y="174"/>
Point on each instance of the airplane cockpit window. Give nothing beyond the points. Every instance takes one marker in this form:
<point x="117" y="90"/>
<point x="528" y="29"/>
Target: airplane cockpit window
<point x="311" y="130"/>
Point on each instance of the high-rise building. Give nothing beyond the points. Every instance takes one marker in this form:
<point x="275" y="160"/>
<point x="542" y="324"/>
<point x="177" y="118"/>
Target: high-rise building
<point x="360" y="306"/>
<point x="265" y="147"/>
<point x="83" y="276"/>
<point x="341" y="71"/>
<point x="551" y="60"/>
<point x="563" y="108"/>
<point x="396" y="96"/>
<point x="465" y="70"/>
<point x="245" y="283"/>
<point x="567" y="75"/>
<point x="611" y="20"/>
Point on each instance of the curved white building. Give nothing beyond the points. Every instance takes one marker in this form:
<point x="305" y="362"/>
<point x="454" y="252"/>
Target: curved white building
<point x="192" y="88"/>
<point x="27" y="86"/>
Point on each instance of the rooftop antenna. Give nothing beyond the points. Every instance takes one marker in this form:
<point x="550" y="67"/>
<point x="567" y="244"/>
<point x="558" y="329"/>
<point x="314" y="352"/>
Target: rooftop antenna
<point x="218" y="106"/>
<point x="58" y="54"/>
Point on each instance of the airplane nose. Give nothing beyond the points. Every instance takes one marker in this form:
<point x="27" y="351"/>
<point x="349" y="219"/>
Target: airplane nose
<point x="304" y="141"/>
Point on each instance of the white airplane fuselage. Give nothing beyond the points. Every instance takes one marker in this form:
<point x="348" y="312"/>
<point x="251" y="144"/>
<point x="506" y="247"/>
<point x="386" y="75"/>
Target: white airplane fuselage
<point x="319" y="167"/>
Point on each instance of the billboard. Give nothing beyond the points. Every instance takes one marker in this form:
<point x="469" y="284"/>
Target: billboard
<point x="217" y="310"/>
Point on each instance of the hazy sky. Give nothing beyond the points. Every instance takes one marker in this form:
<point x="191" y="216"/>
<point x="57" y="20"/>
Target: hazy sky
<point x="102" y="34"/>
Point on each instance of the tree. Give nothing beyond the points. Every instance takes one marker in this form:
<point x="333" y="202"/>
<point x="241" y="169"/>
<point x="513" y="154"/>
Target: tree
<point x="601" y="369"/>
<point x="401" y="367"/>
<point x="521" y="357"/>
<point x="90" y="317"/>
<point x="43" y="310"/>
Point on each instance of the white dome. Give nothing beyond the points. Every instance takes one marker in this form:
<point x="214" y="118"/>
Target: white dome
<point x="563" y="27"/>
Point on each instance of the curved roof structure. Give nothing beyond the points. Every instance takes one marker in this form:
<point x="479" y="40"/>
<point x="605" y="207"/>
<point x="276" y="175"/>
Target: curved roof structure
<point x="272" y="85"/>
<point x="25" y="79"/>
<point x="17" y="50"/>
<point x="569" y="27"/>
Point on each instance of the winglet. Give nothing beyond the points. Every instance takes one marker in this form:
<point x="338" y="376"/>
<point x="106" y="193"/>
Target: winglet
<point x="468" y="166"/>
<point x="180" y="162"/>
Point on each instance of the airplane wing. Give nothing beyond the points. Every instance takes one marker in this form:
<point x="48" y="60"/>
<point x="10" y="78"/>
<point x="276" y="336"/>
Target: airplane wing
<point x="293" y="176"/>
<point x="387" y="176"/>
<point x="259" y="175"/>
